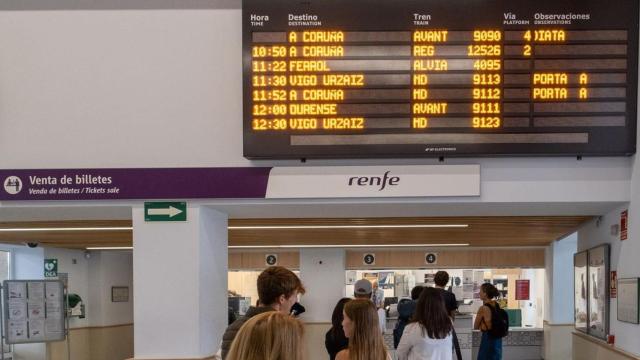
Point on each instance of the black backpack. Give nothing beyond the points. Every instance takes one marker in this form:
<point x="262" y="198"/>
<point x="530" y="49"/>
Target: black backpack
<point x="499" y="322"/>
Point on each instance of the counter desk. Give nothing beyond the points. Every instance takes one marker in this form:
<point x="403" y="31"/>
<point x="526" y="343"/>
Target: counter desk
<point x="522" y="343"/>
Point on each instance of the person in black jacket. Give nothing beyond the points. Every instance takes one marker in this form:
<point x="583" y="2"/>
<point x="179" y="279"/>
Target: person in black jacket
<point x="442" y="279"/>
<point x="278" y="290"/>
<point x="406" y="308"/>
<point x="335" y="340"/>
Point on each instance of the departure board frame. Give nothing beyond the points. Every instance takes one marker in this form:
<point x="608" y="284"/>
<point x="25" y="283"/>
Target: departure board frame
<point x="566" y="84"/>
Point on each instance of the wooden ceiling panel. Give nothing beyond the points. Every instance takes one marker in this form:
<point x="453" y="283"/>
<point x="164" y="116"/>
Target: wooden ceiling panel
<point x="482" y="231"/>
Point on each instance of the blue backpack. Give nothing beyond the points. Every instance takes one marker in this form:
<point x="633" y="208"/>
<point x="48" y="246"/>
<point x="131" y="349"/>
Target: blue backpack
<point x="406" y="307"/>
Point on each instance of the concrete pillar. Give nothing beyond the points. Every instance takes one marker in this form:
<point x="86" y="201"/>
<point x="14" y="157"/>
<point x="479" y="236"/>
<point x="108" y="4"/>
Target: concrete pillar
<point x="558" y="307"/>
<point x="322" y="272"/>
<point x="180" y="285"/>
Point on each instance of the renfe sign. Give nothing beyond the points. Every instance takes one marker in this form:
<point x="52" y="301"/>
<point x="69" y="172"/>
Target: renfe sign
<point x="238" y="183"/>
<point x="374" y="181"/>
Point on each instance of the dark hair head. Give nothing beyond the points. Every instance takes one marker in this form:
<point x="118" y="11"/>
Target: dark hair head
<point x="275" y="281"/>
<point x="442" y="278"/>
<point x="432" y="314"/>
<point x="337" y="317"/>
<point x="416" y="291"/>
<point x="489" y="290"/>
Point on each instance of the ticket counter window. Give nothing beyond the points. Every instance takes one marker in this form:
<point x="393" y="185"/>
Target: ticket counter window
<point x="465" y="284"/>
<point x="243" y="290"/>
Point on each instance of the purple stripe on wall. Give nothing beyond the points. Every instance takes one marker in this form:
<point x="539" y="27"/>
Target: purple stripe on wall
<point x="115" y="184"/>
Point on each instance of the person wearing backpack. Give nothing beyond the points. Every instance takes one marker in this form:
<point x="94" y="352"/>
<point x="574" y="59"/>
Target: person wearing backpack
<point x="406" y="308"/>
<point x="493" y="322"/>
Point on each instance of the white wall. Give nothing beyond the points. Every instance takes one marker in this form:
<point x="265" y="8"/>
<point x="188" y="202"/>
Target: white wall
<point x="78" y="278"/>
<point x="322" y="272"/>
<point x="108" y="269"/>
<point x="559" y="280"/>
<point x="87" y="86"/>
<point x="563" y="279"/>
<point x="624" y="259"/>
<point x="181" y="285"/>
<point x="28" y="263"/>
<point x="548" y="282"/>
<point x="92" y="279"/>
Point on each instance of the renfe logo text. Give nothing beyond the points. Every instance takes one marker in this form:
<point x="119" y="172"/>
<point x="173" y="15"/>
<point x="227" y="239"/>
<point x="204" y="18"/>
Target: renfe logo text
<point x="382" y="181"/>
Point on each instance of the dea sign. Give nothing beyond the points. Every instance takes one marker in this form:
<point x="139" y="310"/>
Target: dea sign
<point x="50" y="268"/>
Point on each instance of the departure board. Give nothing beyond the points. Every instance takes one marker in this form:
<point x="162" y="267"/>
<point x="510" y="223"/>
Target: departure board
<point x="409" y="78"/>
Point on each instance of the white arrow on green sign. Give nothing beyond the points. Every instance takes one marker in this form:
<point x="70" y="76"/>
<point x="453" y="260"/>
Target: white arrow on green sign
<point x="165" y="211"/>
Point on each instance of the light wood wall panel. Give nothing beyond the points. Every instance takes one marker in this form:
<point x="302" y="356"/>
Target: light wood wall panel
<point x="95" y="343"/>
<point x="494" y="231"/>
<point x="112" y="342"/>
<point x="472" y="258"/>
<point x="256" y="260"/>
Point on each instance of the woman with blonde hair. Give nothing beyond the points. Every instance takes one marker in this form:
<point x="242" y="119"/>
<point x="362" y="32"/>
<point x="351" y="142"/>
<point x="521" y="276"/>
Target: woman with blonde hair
<point x="268" y="336"/>
<point x="361" y="326"/>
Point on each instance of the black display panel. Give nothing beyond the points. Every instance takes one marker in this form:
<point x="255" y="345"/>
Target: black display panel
<point x="405" y="78"/>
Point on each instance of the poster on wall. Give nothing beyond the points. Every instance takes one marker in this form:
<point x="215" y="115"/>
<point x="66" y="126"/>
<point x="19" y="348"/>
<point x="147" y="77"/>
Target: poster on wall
<point x="351" y="277"/>
<point x="522" y="289"/>
<point x="478" y="280"/>
<point x="33" y="311"/>
<point x="430" y="279"/>
<point x="624" y="225"/>
<point x="629" y="300"/>
<point x="467" y="284"/>
<point x="598" y="291"/>
<point x="370" y="276"/>
<point x="386" y="279"/>
<point x="581" y="309"/>
<point x="613" y="283"/>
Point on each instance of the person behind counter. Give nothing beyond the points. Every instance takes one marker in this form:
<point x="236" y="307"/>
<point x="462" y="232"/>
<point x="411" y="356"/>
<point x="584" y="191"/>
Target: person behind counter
<point x="360" y="325"/>
<point x="269" y="336"/>
<point x="377" y="297"/>
<point x="278" y="290"/>
<point x="335" y="340"/>
<point x="490" y="346"/>
<point x="429" y="336"/>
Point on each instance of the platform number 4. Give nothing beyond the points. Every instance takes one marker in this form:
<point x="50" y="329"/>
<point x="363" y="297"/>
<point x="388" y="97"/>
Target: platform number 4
<point x="431" y="258"/>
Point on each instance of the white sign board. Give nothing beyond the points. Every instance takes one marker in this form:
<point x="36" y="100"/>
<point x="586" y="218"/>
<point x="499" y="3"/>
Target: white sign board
<point x="33" y="311"/>
<point x="374" y="181"/>
<point x="628" y="298"/>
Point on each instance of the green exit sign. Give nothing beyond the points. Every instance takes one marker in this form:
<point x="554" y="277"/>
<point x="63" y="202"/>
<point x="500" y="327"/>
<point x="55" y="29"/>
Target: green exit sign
<point x="165" y="211"/>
